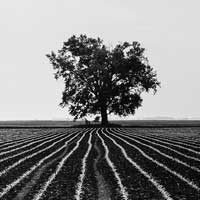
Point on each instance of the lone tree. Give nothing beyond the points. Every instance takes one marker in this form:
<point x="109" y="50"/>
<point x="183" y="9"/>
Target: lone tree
<point x="100" y="80"/>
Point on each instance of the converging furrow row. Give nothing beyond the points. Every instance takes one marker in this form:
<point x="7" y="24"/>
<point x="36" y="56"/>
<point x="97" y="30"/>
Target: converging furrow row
<point x="63" y="164"/>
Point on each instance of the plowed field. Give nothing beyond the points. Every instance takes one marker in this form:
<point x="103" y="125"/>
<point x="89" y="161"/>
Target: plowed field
<point x="100" y="163"/>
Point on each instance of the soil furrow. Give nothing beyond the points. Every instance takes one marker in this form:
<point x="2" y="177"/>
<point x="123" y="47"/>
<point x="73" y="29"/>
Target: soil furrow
<point x="103" y="188"/>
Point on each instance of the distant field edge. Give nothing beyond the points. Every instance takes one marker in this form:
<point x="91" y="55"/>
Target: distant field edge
<point x="116" y="123"/>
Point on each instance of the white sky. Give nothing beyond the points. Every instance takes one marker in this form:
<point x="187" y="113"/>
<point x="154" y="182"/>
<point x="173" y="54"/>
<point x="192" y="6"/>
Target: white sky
<point x="29" y="29"/>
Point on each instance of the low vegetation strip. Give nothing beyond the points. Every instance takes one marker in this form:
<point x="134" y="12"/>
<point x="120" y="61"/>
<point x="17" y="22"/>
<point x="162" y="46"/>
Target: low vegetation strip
<point x="13" y="136"/>
<point x="165" y="194"/>
<point x="19" y="179"/>
<point x="189" y="182"/>
<point x="23" y="193"/>
<point x="82" y="175"/>
<point x="163" y="145"/>
<point x="173" y="140"/>
<point x="30" y="147"/>
<point x="180" y="141"/>
<point x="37" y="136"/>
<point x="130" y="164"/>
<point x="159" y="152"/>
<point x="26" y="144"/>
<point x="123" y="191"/>
<point x="59" y="167"/>
<point x="103" y="189"/>
<point x="31" y="155"/>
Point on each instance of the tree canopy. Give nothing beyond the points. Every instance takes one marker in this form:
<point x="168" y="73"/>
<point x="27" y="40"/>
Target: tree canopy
<point x="101" y="80"/>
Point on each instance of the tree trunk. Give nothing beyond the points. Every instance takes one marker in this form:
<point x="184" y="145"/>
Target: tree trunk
<point x="104" y="116"/>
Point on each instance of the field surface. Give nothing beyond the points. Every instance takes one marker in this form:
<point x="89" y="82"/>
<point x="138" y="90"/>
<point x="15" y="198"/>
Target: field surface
<point x="100" y="163"/>
<point x="127" y="123"/>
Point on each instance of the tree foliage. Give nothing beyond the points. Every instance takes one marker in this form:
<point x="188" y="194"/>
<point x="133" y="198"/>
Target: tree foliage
<point x="99" y="80"/>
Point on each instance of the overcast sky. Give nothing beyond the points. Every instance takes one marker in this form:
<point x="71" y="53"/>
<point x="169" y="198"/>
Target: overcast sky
<point x="169" y="30"/>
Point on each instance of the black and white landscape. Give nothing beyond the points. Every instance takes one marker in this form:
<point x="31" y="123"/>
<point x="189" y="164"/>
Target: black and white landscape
<point x="100" y="163"/>
<point x="99" y="100"/>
